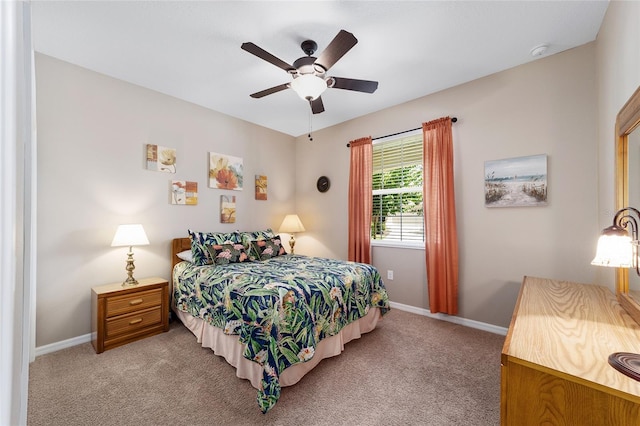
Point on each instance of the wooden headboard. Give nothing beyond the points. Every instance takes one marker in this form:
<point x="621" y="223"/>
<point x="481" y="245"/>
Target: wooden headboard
<point x="178" y="245"/>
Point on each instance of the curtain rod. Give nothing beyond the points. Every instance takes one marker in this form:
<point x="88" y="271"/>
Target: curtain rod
<point x="453" y="120"/>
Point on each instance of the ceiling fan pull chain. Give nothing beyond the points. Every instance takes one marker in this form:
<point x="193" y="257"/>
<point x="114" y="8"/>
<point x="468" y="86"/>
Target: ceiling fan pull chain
<point x="310" y="128"/>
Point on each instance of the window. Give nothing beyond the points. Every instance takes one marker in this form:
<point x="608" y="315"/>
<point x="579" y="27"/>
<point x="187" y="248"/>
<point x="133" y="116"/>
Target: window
<point x="397" y="190"/>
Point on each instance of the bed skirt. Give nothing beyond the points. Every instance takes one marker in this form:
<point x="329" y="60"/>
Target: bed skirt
<point x="229" y="347"/>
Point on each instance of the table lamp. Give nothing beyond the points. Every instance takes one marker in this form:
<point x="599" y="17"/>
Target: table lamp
<point x="291" y="224"/>
<point x="130" y="235"/>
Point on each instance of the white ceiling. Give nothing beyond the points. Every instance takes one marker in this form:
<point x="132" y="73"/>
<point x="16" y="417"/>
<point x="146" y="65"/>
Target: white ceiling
<point x="191" y="49"/>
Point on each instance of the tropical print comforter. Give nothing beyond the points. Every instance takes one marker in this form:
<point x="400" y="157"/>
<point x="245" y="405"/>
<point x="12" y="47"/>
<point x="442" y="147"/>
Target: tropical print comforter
<point x="280" y="308"/>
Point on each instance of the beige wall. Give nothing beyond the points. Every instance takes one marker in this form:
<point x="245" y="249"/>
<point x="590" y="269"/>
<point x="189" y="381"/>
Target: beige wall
<point x="618" y="73"/>
<point x="544" y="107"/>
<point x="92" y="130"/>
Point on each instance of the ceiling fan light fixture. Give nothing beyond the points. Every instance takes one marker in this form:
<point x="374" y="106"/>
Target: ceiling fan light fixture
<point x="308" y="86"/>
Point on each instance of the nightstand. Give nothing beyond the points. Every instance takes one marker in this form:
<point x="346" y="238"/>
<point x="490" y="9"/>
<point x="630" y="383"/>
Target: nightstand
<point x="120" y="315"/>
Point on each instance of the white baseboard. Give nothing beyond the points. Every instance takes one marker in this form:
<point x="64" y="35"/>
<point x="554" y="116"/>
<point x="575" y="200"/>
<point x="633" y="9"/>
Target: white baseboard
<point x="451" y="318"/>
<point x="53" y="347"/>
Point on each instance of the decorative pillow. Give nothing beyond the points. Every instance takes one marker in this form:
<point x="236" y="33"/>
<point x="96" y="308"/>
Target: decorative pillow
<point x="246" y="238"/>
<point x="186" y="255"/>
<point x="266" y="249"/>
<point x="223" y="254"/>
<point x="200" y="241"/>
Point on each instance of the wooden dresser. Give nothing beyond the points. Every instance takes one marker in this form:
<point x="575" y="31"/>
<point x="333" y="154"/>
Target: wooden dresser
<point x="554" y="360"/>
<point x="123" y="314"/>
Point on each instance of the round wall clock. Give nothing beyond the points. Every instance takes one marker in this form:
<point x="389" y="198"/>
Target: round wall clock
<point x="323" y="184"/>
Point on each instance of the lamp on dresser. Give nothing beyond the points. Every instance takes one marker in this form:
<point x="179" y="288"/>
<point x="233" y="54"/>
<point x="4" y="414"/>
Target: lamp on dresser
<point x="130" y="235"/>
<point x="290" y="225"/>
<point x="618" y="248"/>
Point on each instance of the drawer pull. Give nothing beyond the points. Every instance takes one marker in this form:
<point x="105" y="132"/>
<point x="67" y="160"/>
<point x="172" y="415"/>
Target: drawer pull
<point x="135" y="302"/>
<point x="135" y="321"/>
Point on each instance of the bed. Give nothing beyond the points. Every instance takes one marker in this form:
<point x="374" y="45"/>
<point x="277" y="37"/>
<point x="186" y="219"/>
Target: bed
<point x="273" y="318"/>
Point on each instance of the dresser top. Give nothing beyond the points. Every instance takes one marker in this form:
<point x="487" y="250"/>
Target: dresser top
<point x="572" y="328"/>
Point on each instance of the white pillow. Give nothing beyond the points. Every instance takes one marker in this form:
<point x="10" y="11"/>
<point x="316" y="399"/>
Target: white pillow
<point x="186" y="255"/>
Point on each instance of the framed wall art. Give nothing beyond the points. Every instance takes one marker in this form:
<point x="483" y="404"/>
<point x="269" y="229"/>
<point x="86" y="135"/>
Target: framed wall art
<point x="261" y="187"/>
<point x="184" y="192"/>
<point x="161" y="158"/>
<point x="516" y="182"/>
<point x="225" y="172"/>
<point x="227" y="209"/>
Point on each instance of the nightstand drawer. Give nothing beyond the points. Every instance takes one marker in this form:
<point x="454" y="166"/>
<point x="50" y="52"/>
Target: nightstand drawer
<point x="118" y="305"/>
<point x="132" y="322"/>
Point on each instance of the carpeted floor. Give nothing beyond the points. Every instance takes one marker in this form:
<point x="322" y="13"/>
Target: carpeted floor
<point x="411" y="370"/>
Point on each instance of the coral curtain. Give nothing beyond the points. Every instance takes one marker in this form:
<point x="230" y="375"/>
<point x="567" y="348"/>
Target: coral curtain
<point x="360" y="200"/>
<point x="441" y="240"/>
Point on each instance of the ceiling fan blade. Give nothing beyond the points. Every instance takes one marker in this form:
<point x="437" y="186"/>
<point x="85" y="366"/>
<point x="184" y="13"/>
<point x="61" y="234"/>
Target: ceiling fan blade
<point x="366" y="86"/>
<point x="317" y="106"/>
<point x="263" y="54"/>
<point x="270" y="90"/>
<point x="340" y="45"/>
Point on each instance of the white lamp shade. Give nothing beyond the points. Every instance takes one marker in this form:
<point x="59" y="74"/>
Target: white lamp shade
<point x="615" y="251"/>
<point x="308" y="86"/>
<point x="291" y="224"/>
<point x="130" y="235"/>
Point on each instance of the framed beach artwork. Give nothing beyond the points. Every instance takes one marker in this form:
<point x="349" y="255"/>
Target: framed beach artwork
<point x="225" y="172"/>
<point x="516" y="182"/>
<point x="227" y="209"/>
<point x="161" y="158"/>
<point x="184" y="192"/>
<point x="261" y="187"/>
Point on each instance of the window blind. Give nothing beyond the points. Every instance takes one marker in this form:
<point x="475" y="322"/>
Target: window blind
<point x="397" y="189"/>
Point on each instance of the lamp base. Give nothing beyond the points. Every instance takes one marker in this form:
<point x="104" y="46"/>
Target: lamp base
<point x="130" y="281"/>
<point x="627" y="363"/>
<point x="292" y="243"/>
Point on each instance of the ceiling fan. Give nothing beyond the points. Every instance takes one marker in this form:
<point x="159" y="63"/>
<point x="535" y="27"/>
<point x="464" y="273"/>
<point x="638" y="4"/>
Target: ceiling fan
<point x="309" y="73"/>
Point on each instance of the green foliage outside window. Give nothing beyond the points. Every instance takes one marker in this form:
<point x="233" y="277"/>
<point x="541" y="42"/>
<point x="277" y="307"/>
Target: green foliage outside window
<point x="385" y="205"/>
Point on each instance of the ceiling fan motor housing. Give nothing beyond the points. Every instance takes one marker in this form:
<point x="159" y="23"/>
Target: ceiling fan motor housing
<point x="309" y="47"/>
<point x="307" y="65"/>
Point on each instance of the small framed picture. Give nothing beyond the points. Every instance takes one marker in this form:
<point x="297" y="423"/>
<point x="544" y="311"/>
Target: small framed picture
<point x="261" y="187"/>
<point x="184" y="192"/>
<point x="161" y="158"/>
<point x="516" y="182"/>
<point x="227" y="209"/>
